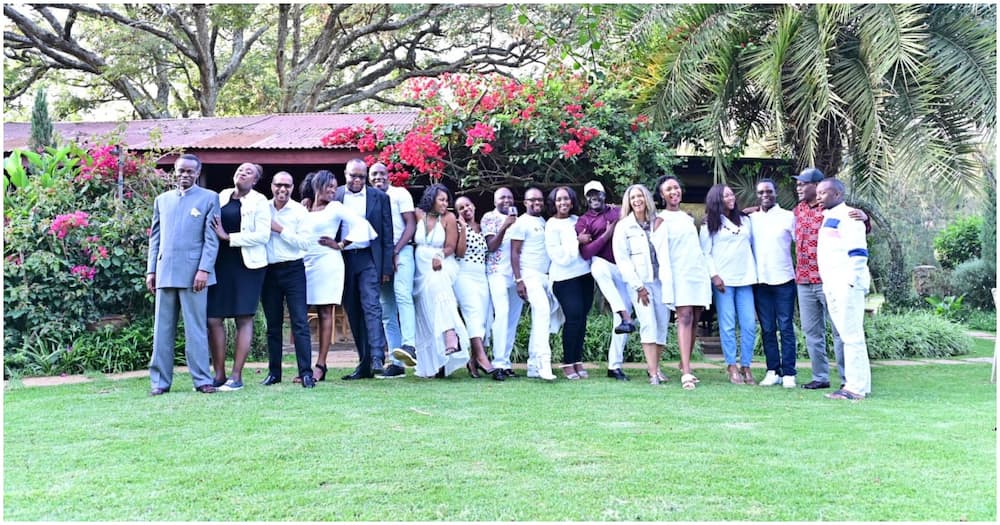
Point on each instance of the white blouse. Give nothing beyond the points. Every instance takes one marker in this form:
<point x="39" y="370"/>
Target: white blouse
<point x="564" y="249"/>
<point x="729" y="252"/>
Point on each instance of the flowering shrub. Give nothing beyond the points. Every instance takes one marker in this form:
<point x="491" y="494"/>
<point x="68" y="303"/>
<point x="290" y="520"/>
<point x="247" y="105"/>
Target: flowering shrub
<point x="486" y="131"/>
<point x="73" y="251"/>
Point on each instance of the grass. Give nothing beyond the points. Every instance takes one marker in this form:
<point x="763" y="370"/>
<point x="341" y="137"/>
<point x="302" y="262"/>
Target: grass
<point x="922" y="448"/>
<point x="981" y="348"/>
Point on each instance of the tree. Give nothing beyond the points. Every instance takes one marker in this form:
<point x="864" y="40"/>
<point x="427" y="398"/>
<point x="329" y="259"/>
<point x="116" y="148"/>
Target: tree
<point x="41" y="124"/>
<point x="865" y="91"/>
<point x="168" y="60"/>
<point x="486" y="131"/>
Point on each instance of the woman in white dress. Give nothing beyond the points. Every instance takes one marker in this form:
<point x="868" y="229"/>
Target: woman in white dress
<point x="684" y="272"/>
<point x="726" y="240"/>
<point x="442" y="341"/>
<point x="639" y="265"/>
<point x="471" y="288"/>
<point x="323" y="261"/>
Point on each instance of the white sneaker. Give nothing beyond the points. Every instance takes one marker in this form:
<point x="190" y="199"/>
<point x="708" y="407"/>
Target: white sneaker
<point x="546" y="375"/>
<point x="788" y="381"/>
<point x="770" y="379"/>
<point x="532" y="372"/>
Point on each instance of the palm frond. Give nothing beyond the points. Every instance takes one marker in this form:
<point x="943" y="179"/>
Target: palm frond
<point x="962" y="55"/>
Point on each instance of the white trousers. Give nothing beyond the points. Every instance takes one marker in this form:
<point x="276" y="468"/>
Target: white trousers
<point x="654" y="317"/>
<point x="539" y="351"/>
<point x="847" y="311"/>
<point x="615" y="291"/>
<point x="506" y="313"/>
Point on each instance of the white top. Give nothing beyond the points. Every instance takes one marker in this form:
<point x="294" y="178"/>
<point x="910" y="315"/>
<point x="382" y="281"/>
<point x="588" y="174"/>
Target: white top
<point x="729" y="252"/>
<point x="683" y="266"/>
<point x="531" y="230"/>
<point x="633" y="252"/>
<point x="290" y="244"/>
<point x="842" y="250"/>
<point x="401" y="202"/>
<point x="497" y="261"/>
<point x="358" y="203"/>
<point x="773" y="232"/>
<point x="564" y="249"/>
<point x="255" y="227"/>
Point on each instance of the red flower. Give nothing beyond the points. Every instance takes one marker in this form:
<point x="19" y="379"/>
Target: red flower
<point x="571" y="149"/>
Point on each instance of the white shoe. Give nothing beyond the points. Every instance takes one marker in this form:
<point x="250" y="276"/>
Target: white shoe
<point x="788" y="381"/>
<point x="532" y="372"/>
<point x="546" y="375"/>
<point x="771" y="378"/>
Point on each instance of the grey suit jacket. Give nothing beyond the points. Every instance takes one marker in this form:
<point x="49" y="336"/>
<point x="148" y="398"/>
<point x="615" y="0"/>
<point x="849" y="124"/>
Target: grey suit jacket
<point x="378" y="212"/>
<point x="182" y="240"/>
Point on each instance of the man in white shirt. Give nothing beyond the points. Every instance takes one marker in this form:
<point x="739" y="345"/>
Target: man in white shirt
<point x="503" y="294"/>
<point x="529" y="262"/>
<point x="396" y="296"/>
<point x="774" y="295"/>
<point x="842" y="256"/>
<point x="285" y="282"/>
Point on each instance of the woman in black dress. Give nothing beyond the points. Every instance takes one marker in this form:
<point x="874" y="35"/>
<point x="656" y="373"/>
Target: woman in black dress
<point x="243" y="227"/>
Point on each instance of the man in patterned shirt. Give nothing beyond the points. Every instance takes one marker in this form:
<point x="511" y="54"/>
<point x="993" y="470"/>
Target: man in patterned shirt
<point x="813" y="311"/>
<point x="507" y="304"/>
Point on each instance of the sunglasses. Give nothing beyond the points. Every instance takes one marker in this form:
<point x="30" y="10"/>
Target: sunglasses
<point x="281" y="185"/>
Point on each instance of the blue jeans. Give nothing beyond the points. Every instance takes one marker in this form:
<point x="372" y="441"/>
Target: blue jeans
<point x="775" y="309"/>
<point x="736" y="303"/>
<point x="398" y="312"/>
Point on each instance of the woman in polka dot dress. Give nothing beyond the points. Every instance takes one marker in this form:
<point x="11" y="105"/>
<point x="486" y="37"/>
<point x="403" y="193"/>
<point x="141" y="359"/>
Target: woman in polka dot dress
<point x="471" y="288"/>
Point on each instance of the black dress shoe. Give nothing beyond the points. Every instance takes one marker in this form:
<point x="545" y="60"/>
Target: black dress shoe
<point x="509" y="372"/>
<point x="377" y="366"/>
<point x="626" y="327"/>
<point x="816" y="385"/>
<point x="616" y="373"/>
<point x="158" y="391"/>
<point x="206" y="389"/>
<point x="308" y="382"/>
<point x="358" y="373"/>
<point x="271" y="380"/>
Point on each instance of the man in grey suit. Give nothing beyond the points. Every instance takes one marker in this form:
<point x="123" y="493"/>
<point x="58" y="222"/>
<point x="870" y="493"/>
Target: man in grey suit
<point x="182" y="251"/>
<point x="367" y="264"/>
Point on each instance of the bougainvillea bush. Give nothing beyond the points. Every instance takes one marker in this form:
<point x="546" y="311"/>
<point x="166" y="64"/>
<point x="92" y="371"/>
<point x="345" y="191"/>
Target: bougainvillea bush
<point x="486" y="131"/>
<point x="74" y="246"/>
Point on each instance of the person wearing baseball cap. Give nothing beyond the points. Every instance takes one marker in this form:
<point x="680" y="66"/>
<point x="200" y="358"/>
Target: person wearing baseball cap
<point x="594" y="231"/>
<point x="813" y="311"/>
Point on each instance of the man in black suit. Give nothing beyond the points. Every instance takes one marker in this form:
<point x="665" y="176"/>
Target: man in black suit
<point x="367" y="265"/>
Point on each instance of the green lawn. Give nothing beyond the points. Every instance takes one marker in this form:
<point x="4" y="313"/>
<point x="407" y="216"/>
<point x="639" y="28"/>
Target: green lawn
<point x="923" y="447"/>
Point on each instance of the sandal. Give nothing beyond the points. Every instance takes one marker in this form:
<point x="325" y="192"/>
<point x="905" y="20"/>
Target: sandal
<point x="580" y="371"/>
<point x="845" y="394"/>
<point x="570" y="372"/>
<point x="688" y="381"/>
<point x="321" y="368"/>
<point x="450" y="350"/>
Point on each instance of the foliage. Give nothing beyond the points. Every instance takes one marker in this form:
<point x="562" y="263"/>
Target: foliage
<point x="110" y="350"/>
<point x="486" y="131"/>
<point x="73" y="249"/>
<point x="988" y="240"/>
<point x="974" y="279"/>
<point x="168" y="60"/>
<point x="959" y="242"/>
<point x="949" y="307"/>
<point x="41" y="124"/>
<point x="917" y="334"/>
<point x="892" y="88"/>
<point x="985" y="320"/>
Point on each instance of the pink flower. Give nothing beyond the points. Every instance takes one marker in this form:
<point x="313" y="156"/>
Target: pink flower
<point x="62" y="224"/>
<point x="571" y="149"/>
<point x="84" y="272"/>
<point x="486" y="149"/>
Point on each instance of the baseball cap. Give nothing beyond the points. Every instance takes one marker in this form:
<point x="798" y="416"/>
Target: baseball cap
<point x="593" y="185"/>
<point x="809" y="175"/>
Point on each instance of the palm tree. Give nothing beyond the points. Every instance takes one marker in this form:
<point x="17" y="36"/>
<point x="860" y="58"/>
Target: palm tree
<point x="860" y="91"/>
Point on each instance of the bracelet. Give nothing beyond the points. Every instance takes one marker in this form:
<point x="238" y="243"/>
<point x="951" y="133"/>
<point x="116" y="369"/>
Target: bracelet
<point x="518" y="280"/>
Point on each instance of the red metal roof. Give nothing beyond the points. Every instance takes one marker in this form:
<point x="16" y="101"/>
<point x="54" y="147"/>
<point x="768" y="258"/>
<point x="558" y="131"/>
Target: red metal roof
<point x="280" y="131"/>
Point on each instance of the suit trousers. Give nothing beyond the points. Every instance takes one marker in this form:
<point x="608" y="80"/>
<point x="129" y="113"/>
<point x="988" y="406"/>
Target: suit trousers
<point x="285" y="283"/>
<point x="507" y="307"/>
<point x="615" y="291"/>
<point x="194" y="305"/>
<point x="361" y="302"/>
<point x="813" y="315"/>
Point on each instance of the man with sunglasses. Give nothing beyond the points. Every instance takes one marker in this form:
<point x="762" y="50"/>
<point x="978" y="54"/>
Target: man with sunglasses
<point x="285" y="282"/>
